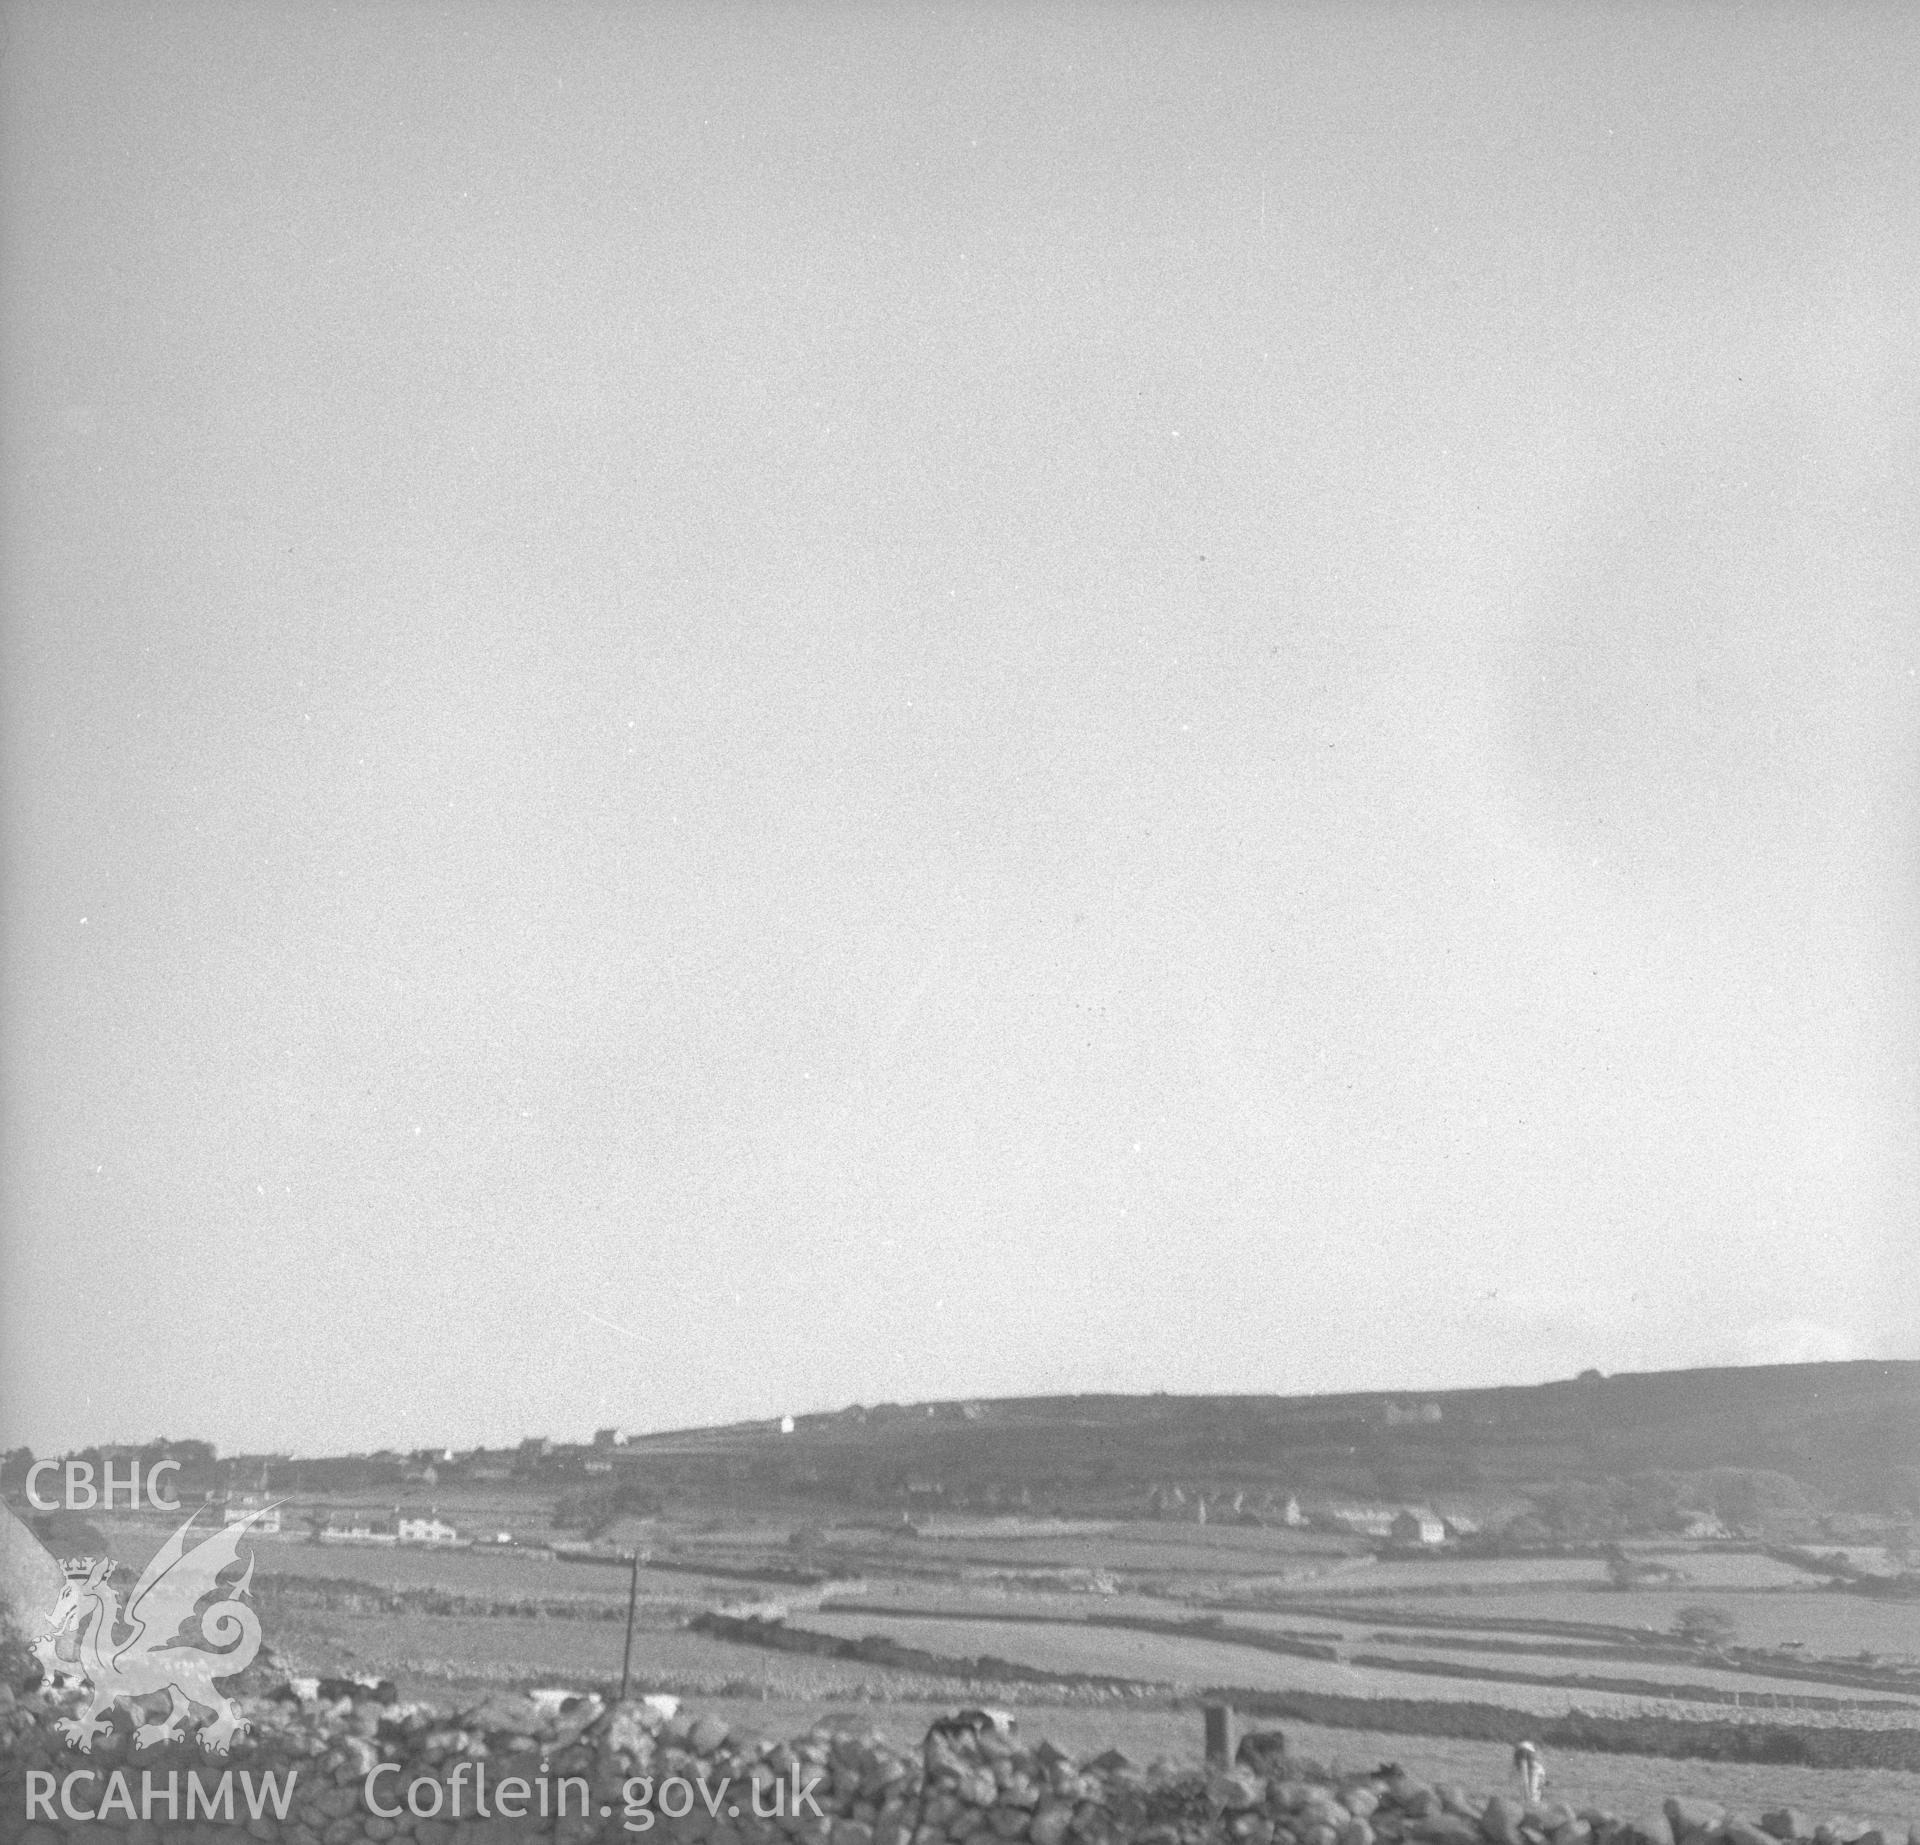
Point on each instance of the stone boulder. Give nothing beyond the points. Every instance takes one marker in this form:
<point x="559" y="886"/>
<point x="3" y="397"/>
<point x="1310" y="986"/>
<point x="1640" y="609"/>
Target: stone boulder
<point x="1263" y="1751"/>
<point x="1444" y="1829"/>
<point x="1499" y="1822"/>
<point x="1646" y="1828"/>
<point x="30" y="1579"/>
<point x="1692" y="1819"/>
<point x="1234" y="1790"/>
<point x="500" y="1715"/>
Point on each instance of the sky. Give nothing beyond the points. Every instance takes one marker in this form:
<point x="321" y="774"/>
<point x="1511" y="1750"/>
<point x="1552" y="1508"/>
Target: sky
<point x="723" y="709"/>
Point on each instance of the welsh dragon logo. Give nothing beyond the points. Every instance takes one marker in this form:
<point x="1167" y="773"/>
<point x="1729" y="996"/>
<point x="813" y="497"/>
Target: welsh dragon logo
<point x="136" y="1651"/>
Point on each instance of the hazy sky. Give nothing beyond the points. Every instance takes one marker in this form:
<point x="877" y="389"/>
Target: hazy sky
<point x="723" y="709"/>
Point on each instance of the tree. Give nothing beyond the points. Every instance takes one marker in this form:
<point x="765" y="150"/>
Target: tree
<point x="1703" y="1626"/>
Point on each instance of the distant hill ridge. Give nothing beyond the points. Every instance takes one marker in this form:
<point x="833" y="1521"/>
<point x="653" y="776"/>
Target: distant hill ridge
<point x="1850" y="1432"/>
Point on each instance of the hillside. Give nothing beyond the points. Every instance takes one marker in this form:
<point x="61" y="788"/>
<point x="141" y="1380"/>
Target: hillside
<point x="1848" y="1434"/>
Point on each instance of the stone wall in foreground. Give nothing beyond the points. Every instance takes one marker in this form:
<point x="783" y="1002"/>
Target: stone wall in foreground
<point x="341" y="1773"/>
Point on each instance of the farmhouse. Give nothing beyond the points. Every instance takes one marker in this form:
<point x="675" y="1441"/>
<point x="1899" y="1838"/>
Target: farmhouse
<point x="1400" y="1524"/>
<point x="242" y="1506"/>
<point x="428" y="1530"/>
<point x="1364" y="1520"/>
<point x="360" y="1528"/>
<point x="1412" y="1526"/>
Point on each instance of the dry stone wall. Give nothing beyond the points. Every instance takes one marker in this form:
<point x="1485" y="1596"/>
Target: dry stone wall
<point x="575" y="1771"/>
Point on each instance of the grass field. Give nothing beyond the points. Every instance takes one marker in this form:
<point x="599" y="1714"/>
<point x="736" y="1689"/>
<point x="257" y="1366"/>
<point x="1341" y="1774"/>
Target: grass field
<point x="421" y="1651"/>
<point x="1192" y="1664"/>
<point x="1828" y="1624"/>
<point x="469" y="1572"/>
<point x="1447" y="1575"/>
<point x="950" y="1582"/>
<point x="1127" y="1556"/>
<point x="778" y="1696"/>
<point x="1174" y="1658"/>
<point x="1728" y="1571"/>
<point x="1722" y="1569"/>
<point x="1038" y="1535"/>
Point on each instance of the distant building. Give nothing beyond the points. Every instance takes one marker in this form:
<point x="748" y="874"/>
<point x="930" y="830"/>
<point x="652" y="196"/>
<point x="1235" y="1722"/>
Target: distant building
<point x="429" y="1530"/>
<point x="1363" y="1520"/>
<point x="1414" y="1526"/>
<point x="359" y="1528"/>
<point x="242" y="1506"/>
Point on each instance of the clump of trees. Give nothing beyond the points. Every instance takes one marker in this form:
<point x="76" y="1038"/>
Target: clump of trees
<point x="1704" y="1626"/>
<point x="1625" y="1572"/>
<point x="592" y="1507"/>
<point x="1659" y="1502"/>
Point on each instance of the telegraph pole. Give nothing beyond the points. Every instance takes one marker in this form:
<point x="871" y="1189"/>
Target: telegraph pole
<point x="633" y="1595"/>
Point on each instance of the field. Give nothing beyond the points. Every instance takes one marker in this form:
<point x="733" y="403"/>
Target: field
<point x="1111" y="1630"/>
<point x="423" y="1650"/>
<point x="1828" y="1625"/>
<point x="1192" y="1664"/>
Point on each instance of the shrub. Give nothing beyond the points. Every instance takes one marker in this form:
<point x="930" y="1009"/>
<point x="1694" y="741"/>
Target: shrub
<point x="1703" y="1626"/>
